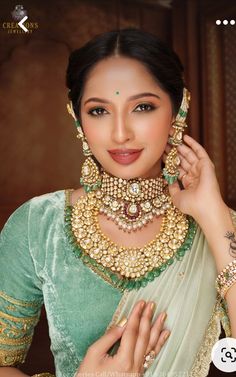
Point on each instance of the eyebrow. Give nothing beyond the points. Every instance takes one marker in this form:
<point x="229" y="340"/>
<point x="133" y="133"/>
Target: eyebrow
<point x="135" y="96"/>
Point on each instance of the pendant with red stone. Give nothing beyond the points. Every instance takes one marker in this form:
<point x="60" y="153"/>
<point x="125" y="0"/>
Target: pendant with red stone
<point x="132" y="210"/>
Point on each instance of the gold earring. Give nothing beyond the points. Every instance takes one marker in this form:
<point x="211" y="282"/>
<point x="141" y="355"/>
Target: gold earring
<point x="171" y="171"/>
<point x="90" y="174"/>
<point x="80" y="135"/>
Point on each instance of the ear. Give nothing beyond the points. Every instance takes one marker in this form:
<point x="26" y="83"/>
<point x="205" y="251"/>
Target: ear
<point x="171" y="130"/>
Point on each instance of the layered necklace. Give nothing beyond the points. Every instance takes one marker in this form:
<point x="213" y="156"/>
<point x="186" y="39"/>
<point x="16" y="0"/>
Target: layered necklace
<point x="131" y="204"/>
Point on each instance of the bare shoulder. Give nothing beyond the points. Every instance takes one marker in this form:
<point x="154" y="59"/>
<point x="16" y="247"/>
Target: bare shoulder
<point x="76" y="194"/>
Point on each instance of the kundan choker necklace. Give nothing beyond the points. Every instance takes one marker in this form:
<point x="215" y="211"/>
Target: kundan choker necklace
<point x="132" y="203"/>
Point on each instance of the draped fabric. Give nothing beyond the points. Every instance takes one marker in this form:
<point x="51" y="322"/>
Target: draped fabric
<point x="37" y="265"/>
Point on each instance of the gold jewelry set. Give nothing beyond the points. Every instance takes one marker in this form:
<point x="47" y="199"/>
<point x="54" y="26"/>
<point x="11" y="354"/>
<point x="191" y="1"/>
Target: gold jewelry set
<point x="131" y="204"/>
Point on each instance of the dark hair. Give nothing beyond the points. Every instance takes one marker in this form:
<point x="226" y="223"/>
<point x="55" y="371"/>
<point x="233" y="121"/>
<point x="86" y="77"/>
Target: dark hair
<point x="162" y="63"/>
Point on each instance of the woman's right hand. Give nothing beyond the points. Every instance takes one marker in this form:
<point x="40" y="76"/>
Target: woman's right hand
<point x="138" y="337"/>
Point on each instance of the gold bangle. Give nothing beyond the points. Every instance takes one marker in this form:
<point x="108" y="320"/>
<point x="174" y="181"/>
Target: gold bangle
<point x="226" y="279"/>
<point x="44" y="375"/>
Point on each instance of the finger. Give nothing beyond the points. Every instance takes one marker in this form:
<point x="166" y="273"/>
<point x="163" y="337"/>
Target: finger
<point x="161" y="341"/>
<point x="105" y="342"/>
<point x="155" y="331"/>
<point x="184" y="163"/>
<point x="196" y="147"/>
<point x="182" y="173"/>
<point x="189" y="155"/>
<point x="144" y="334"/>
<point x="129" y="338"/>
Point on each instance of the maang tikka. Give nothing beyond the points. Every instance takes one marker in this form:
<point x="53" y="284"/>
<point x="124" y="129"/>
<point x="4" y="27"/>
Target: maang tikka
<point x="171" y="171"/>
<point x="90" y="174"/>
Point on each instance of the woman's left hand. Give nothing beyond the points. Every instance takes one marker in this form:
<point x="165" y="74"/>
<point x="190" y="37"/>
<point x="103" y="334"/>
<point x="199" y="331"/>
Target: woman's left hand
<point x="201" y="191"/>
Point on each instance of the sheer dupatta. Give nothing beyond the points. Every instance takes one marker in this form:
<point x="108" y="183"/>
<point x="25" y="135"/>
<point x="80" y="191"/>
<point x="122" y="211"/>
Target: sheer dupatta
<point x="186" y="291"/>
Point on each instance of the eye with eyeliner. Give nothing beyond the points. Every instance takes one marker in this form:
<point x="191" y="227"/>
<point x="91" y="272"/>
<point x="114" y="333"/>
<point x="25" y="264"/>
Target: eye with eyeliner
<point x="90" y="112"/>
<point x="151" y="107"/>
<point x="142" y="106"/>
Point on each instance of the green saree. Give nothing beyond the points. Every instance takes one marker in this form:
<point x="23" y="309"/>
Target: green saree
<point x="38" y="265"/>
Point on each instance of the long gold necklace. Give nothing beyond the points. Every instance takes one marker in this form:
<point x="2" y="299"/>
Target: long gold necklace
<point x="126" y="262"/>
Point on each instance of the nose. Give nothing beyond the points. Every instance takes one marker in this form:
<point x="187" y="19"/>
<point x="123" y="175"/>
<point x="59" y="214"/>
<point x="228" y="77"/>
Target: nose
<point x="121" y="131"/>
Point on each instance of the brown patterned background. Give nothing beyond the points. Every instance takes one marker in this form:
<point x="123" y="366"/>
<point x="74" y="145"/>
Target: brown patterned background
<point x="38" y="148"/>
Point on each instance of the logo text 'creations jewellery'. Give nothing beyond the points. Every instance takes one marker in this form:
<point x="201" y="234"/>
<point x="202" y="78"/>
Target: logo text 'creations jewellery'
<point x="21" y="23"/>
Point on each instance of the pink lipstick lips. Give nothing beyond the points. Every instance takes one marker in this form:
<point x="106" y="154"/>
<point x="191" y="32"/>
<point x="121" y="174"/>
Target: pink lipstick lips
<point x="125" y="156"/>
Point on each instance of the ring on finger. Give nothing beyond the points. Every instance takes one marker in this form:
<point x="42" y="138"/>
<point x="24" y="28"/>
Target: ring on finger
<point x="148" y="359"/>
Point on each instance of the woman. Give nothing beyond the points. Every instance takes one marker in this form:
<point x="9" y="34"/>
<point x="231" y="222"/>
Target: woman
<point x="133" y="236"/>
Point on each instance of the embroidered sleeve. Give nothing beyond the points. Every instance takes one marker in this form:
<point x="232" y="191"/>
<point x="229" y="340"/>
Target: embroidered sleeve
<point x="17" y="321"/>
<point x="20" y="290"/>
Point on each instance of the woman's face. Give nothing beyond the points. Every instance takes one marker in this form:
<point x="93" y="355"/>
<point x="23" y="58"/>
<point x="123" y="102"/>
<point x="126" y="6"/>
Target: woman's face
<point x="122" y="107"/>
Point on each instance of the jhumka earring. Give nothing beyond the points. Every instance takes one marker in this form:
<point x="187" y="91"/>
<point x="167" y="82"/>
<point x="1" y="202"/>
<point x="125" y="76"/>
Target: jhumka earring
<point x="170" y="171"/>
<point x="90" y="174"/>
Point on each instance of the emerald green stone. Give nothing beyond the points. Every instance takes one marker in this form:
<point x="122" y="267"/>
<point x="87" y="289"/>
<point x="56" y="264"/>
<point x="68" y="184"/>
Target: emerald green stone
<point x="130" y="285"/>
<point x="122" y="284"/>
<point x="170" y="179"/>
<point x="180" y="253"/>
<point x="144" y="282"/>
<point x="78" y="253"/>
<point x="163" y="267"/>
<point x="114" y="278"/>
<point x="182" y="112"/>
<point x="150" y="276"/>
<point x="137" y="284"/>
<point x="170" y="261"/>
<point x="178" y="257"/>
<point x="156" y="272"/>
<point x="85" y="258"/>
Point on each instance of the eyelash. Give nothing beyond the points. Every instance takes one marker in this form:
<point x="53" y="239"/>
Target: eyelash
<point x="151" y="107"/>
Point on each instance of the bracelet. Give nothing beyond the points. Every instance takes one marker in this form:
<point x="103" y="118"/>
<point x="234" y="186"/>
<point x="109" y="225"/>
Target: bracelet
<point x="226" y="278"/>
<point x="43" y="375"/>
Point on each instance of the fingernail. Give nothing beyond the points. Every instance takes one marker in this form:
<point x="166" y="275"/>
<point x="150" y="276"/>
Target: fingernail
<point x="166" y="335"/>
<point x="143" y="303"/>
<point x="153" y="306"/>
<point x="163" y="317"/>
<point x="122" y="322"/>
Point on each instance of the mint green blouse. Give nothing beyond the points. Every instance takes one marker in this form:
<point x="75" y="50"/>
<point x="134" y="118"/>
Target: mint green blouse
<point x="37" y="265"/>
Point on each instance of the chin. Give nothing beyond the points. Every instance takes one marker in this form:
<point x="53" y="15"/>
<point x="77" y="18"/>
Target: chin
<point x="127" y="172"/>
